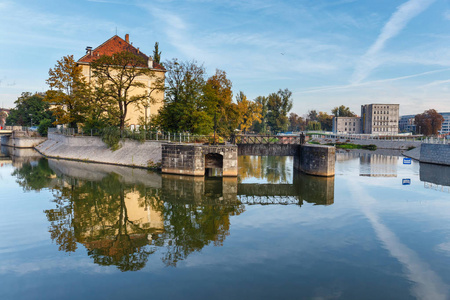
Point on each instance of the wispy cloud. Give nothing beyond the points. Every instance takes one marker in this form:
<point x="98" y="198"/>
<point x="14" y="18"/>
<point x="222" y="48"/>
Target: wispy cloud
<point x="399" y="19"/>
<point x="357" y="85"/>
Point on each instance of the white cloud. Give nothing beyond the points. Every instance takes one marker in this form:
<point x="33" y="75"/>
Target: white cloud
<point x="405" y="13"/>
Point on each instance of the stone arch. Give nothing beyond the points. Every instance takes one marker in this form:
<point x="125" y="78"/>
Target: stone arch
<point x="213" y="161"/>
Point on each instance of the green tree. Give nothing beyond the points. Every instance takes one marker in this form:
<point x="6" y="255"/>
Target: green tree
<point x="325" y="120"/>
<point x="314" y="125"/>
<point x="429" y="122"/>
<point x="278" y="106"/>
<point x="261" y="125"/>
<point x="185" y="108"/>
<point x="68" y="92"/>
<point x="30" y="109"/>
<point x="156" y="54"/>
<point x="342" y="111"/>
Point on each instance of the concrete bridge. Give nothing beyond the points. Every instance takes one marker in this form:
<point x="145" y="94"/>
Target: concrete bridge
<point x="198" y="160"/>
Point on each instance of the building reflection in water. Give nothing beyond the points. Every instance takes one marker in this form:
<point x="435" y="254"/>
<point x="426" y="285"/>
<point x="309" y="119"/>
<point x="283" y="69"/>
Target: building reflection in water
<point x="435" y="177"/>
<point x="123" y="215"/>
<point x="377" y="165"/>
<point x="380" y="163"/>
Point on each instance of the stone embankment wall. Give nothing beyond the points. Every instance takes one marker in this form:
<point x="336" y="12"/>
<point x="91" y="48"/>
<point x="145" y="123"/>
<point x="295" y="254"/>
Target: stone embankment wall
<point x="92" y="149"/>
<point x="22" y="139"/>
<point x="435" y="154"/>
<point x="381" y="144"/>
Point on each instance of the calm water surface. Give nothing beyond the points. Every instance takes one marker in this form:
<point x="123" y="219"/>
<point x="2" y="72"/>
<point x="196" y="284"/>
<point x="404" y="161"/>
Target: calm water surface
<point x="378" y="230"/>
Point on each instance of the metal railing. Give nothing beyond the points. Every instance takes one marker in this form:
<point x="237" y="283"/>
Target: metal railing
<point x="422" y="139"/>
<point x="269" y="139"/>
<point x="141" y="135"/>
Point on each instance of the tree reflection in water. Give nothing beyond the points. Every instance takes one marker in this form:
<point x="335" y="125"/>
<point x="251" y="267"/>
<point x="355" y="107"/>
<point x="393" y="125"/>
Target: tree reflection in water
<point x="121" y="224"/>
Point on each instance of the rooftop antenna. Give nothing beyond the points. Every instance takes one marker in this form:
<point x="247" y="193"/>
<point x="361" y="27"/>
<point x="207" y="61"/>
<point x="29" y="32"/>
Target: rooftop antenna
<point x="116" y="30"/>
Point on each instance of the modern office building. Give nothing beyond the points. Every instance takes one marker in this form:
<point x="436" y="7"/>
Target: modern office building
<point x="347" y="125"/>
<point x="445" y="129"/>
<point x="407" y="124"/>
<point x="379" y="119"/>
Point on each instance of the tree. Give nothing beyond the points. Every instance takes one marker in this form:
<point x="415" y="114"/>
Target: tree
<point x="342" y="111"/>
<point x="314" y="125"/>
<point x="296" y="123"/>
<point x="429" y="122"/>
<point x="278" y="105"/>
<point x="219" y="100"/>
<point x="185" y="107"/>
<point x="312" y="115"/>
<point x="156" y="54"/>
<point x="325" y="120"/>
<point x="249" y="112"/>
<point x="68" y="91"/>
<point x="261" y="125"/>
<point x="30" y="109"/>
<point x="119" y="78"/>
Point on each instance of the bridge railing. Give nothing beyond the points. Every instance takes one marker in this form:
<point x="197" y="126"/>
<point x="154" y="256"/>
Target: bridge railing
<point x="269" y="139"/>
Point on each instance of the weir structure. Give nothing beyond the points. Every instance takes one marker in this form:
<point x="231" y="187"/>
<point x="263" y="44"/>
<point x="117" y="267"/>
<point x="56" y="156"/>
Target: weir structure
<point x="201" y="160"/>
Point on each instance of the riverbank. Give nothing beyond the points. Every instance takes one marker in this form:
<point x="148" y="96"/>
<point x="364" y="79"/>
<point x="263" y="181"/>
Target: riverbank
<point x="92" y="149"/>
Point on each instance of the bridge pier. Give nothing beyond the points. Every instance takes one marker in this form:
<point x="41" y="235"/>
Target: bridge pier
<point x="318" y="160"/>
<point x="196" y="160"/>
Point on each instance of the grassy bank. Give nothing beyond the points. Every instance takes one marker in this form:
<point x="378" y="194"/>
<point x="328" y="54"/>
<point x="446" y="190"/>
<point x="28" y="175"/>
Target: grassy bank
<point x="353" y="146"/>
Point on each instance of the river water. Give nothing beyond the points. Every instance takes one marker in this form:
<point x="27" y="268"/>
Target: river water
<point x="380" y="229"/>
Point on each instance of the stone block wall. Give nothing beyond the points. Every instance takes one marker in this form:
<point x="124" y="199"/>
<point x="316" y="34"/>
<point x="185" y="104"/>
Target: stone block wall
<point x="316" y="160"/>
<point x="435" y="154"/>
<point x="190" y="159"/>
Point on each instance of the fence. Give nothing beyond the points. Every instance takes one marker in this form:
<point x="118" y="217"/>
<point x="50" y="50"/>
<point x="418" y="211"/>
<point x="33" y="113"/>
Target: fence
<point x="423" y="139"/>
<point x="141" y="135"/>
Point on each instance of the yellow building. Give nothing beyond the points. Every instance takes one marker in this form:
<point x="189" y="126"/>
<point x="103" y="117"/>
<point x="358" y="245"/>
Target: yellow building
<point x="117" y="45"/>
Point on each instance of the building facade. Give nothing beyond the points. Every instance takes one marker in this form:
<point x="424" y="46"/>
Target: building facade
<point x="380" y="119"/>
<point x="350" y="125"/>
<point x="136" y="113"/>
<point x="407" y="123"/>
<point x="445" y="129"/>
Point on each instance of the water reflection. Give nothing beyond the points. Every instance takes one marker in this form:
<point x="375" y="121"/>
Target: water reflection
<point x="273" y="169"/>
<point x="435" y="177"/>
<point x="122" y="215"/>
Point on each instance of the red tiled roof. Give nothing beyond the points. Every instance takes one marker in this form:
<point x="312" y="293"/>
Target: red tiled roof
<point x="115" y="45"/>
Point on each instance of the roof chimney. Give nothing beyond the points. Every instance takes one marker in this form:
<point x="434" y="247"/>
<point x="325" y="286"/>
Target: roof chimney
<point x="150" y="62"/>
<point x="89" y="50"/>
<point x="127" y="38"/>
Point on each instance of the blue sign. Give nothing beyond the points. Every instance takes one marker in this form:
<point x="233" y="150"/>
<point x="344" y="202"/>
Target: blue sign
<point x="406" y="161"/>
<point x="406" y="181"/>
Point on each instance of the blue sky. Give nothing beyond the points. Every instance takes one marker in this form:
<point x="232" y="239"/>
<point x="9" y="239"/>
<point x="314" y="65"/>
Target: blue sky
<point x="326" y="52"/>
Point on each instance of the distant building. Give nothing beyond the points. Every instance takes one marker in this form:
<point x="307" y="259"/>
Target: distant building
<point x="379" y="118"/>
<point x="407" y="123"/>
<point x="446" y="124"/>
<point x="347" y="125"/>
<point x="117" y="45"/>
